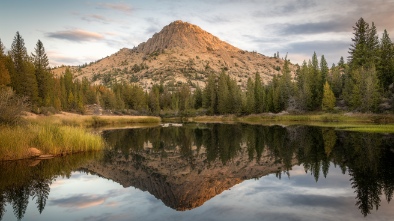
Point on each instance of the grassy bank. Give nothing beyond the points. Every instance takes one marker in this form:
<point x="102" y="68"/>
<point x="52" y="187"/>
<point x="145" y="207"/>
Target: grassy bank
<point x="52" y="139"/>
<point x="60" y="134"/>
<point x="94" y="121"/>
<point x="371" y="123"/>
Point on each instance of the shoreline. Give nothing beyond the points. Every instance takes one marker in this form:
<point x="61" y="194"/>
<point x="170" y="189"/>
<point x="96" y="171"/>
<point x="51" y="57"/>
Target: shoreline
<point x="91" y="125"/>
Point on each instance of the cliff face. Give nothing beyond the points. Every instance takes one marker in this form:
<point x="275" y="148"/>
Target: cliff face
<point x="183" y="183"/>
<point x="180" y="53"/>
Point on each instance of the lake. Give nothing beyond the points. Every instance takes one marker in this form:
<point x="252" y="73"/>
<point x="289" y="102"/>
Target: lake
<point x="209" y="172"/>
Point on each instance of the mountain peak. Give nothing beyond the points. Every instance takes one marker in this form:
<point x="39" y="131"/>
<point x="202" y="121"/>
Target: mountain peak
<point x="181" y="53"/>
<point x="180" y="35"/>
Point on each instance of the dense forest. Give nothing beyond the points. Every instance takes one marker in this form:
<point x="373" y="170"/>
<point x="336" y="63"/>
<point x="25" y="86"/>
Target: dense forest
<point x="363" y="83"/>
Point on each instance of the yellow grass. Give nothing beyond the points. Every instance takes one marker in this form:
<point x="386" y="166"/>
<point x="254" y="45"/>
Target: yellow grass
<point x="48" y="138"/>
<point x="94" y="121"/>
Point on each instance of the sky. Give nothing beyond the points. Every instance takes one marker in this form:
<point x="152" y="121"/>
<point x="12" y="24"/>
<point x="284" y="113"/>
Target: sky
<point x="75" y="32"/>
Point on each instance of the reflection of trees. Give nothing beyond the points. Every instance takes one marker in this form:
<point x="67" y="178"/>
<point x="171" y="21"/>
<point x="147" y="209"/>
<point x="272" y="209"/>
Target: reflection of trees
<point x="369" y="161"/>
<point x="3" y="201"/>
<point x="367" y="157"/>
<point x="41" y="190"/>
<point x="20" y="181"/>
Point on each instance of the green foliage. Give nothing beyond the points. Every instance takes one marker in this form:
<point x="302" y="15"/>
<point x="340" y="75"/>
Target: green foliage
<point x="385" y="67"/>
<point x="329" y="100"/>
<point x="210" y="95"/>
<point x="43" y="75"/>
<point x="363" y="51"/>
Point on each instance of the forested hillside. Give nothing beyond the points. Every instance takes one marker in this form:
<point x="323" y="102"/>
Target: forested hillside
<point x="363" y="83"/>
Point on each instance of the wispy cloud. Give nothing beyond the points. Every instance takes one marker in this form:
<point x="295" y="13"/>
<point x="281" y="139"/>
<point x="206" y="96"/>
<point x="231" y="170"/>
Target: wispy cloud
<point x="96" y="18"/>
<point x="76" y="35"/>
<point x="313" y="28"/>
<point x="57" y="58"/>
<point x="123" y="7"/>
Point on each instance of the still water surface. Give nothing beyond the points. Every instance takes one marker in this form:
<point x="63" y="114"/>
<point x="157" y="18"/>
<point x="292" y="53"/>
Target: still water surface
<point x="209" y="172"/>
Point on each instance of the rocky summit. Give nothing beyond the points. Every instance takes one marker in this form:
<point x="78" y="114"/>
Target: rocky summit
<point x="181" y="53"/>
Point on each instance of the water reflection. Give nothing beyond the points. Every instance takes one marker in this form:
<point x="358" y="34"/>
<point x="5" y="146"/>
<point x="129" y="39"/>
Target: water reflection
<point x="193" y="160"/>
<point x="186" y="166"/>
<point x="23" y="179"/>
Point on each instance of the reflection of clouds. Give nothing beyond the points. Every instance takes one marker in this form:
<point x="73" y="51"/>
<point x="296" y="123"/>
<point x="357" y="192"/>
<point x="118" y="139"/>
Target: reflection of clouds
<point x="57" y="183"/>
<point x="316" y="200"/>
<point x="107" y="217"/>
<point x="112" y="204"/>
<point x="79" y="201"/>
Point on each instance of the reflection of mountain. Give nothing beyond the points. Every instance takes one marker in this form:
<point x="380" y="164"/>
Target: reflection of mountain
<point x="180" y="183"/>
<point x="184" y="167"/>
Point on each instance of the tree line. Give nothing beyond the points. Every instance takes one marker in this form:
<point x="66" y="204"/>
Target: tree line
<point x="364" y="83"/>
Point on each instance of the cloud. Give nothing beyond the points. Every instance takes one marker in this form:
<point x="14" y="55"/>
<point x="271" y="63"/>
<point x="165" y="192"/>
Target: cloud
<point x="313" y="28"/>
<point x="282" y="8"/>
<point x="122" y="7"/>
<point x="96" y="18"/>
<point x="76" y="35"/>
<point x="57" y="58"/>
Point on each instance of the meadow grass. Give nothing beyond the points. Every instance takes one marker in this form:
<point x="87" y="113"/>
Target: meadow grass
<point x="370" y="123"/>
<point x="97" y="121"/>
<point x="369" y="128"/>
<point x="49" y="138"/>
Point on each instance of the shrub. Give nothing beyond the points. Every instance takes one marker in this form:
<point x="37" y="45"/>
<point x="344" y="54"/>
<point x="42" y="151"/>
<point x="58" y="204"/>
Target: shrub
<point x="11" y="106"/>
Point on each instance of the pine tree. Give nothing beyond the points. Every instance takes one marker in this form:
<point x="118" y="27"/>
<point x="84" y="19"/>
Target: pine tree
<point x="323" y="69"/>
<point x="210" y="95"/>
<point x="23" y="79"/>
<point x="235" y="98"/>
<point x="385" y="67"/>
<point x="184" y="98"/>
<point x="328" y="102"/>
<point x="335" y="80"/>
<point x="258" y="94"/>
<point x="359" y="49"/>
<point x="198" y="98"/>
<point x="373" y="45"/>
<point x="363" y="51"/>
<point x="369" y="89"/>
<point x="285" y="86"/>
<point x="250" y="99"/>
<point x="42" y="74"/>
<point x="153" y="100"/>
<point x="223" y="94"/>
<point x="355" y="90"/>
<point x="18" y="54"/>
<point x="341" y="63"/>
<point x="316" y="83"/>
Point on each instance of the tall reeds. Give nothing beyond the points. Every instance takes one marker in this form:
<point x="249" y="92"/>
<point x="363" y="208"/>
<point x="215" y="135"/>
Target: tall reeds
<point x="53" y="139"/>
